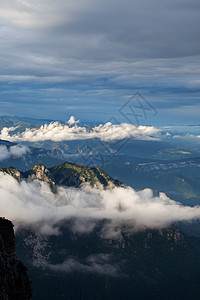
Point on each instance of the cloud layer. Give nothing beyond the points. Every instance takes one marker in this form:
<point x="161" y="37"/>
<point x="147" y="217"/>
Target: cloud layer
<point x="32" y="204"/>
<point x="98" y="264"/>
<point x="63" y="132"/>
<point x="55" y="55"/>
<point x="16" y="151"/>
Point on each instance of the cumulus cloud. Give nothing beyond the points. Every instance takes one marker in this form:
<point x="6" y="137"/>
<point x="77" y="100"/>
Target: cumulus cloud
<point x="32" y="204"/>
<point x="15" y="151"/>
<point x="56" y="131"/>
<point x="72" y="120"/>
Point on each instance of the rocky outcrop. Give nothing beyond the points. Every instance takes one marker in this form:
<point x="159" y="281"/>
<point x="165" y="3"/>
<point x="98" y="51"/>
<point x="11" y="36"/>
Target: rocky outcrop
<point x="12" y="172"/>
<point x="15" y="283"/>
<point x="65" y="174"/>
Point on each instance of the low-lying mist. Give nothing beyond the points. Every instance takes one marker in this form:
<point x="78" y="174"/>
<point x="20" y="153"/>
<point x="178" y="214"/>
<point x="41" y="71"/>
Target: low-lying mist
<point x="15" y="151"/>
<point x="31" y="204"/>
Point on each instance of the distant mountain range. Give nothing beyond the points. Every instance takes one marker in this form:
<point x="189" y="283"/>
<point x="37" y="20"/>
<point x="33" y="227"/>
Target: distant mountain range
<point x="22" y="122"/>
<point x="165" y="149"/>
<point x="48" y="157"/>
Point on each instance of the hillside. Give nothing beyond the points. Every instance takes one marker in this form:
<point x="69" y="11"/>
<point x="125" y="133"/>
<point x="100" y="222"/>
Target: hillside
<point x="67" y="174"/>
<point x="160" y="264"/>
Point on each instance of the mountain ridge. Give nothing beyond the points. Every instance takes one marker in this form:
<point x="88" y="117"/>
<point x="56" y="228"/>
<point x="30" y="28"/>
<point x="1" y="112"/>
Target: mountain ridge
<point x="67" y="174"/>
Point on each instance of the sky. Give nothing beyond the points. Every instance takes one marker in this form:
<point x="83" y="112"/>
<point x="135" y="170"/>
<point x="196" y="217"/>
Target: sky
<point x="101" y="60"/>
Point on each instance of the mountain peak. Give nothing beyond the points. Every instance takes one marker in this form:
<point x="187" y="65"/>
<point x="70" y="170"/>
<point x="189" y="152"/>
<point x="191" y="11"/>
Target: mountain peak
<point x="66" y="174"/>
<point x="74" y="175"/>
<point x="15" y="173"/>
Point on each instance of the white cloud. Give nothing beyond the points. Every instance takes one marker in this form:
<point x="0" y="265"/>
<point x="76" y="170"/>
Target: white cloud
<point x="16" y="151"/>
<point x="82" y="42"/>
<point x="61" y="132"/>
<point x="32" y="204"/>
<point x="72" y="121"/>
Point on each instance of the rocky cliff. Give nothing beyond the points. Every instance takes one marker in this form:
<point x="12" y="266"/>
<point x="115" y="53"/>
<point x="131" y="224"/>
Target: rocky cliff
<point x="15" y="283"/>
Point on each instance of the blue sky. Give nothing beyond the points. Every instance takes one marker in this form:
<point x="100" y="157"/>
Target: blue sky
<point x="88" y="58"/>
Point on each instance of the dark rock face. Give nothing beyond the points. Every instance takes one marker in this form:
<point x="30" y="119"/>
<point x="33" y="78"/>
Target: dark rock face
<point x="15" y="283"/>
<point x="149" y="264"/>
